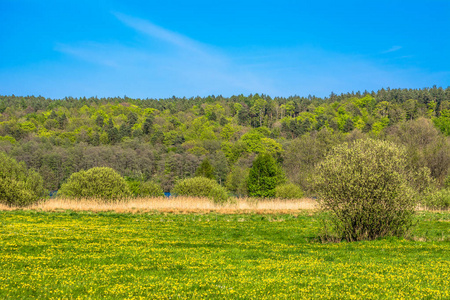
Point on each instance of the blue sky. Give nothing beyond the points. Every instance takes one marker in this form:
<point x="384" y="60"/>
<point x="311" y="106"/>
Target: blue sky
<point x="158" y="49"/>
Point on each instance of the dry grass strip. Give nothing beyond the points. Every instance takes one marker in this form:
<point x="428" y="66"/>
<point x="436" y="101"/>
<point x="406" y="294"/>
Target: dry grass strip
<point x="173" y="205"/>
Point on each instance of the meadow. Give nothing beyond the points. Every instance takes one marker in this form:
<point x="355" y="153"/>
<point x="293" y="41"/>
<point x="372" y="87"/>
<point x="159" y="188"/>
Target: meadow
<point x="153" y="255"/>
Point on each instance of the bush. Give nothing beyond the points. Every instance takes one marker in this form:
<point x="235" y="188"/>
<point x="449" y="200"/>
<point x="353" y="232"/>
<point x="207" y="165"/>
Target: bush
<point x="218" y="194"/>
<point x="144" y="189"/>
<point x="447" y="182"/>
<point x="99" y="182"/>
<point x="134" y="186"/>
<point x="288" y="191"/>
<point x="365" y="189"/>
<point x="438" y="200"/>
<point x="237" y="181"/>
<point x="150" y="189"/>
<point x="201" y="187"/>
<point x="18" y="185"/>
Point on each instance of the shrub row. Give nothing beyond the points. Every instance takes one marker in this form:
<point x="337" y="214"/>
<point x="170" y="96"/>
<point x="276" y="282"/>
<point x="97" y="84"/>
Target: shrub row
<point x="20" y="186"/>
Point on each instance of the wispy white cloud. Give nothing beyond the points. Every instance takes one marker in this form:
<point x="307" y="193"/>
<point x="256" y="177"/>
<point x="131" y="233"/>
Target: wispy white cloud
<point x="205" y="68"/>
<point x="155" y="31"/>
<point x="392" y="49"/>
<point x="90" y="52"/>
<point x="167" y="63"/>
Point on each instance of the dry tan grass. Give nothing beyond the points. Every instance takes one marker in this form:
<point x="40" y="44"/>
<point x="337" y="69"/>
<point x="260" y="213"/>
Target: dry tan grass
<point x="174" y="205"/>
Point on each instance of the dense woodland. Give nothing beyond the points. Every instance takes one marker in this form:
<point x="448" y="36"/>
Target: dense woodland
<point x="165" y="140"/>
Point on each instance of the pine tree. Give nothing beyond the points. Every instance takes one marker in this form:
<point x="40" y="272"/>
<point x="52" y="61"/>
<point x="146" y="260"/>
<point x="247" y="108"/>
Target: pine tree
<point x="113" y="132"/>
<point x="124" y="130"/>
<point x="264" y="176"/>
<point x="62" y="120"/>
<point x="147" y="127"/>
<point x="132" y="119"/>
<point x="100" y="120"/>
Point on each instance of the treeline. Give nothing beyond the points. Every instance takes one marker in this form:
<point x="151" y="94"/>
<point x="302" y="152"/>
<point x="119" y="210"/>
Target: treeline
<point x="396" y="96"/>
<point x="164" y="140"/>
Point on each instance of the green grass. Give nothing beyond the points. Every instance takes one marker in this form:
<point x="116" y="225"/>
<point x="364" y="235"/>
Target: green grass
<point x="155" y="256"/>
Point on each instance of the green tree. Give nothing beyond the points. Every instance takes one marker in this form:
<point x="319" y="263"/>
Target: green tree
<point x="264" y="176"/>
<point x="205" y="169"/>
<point x="53" y="115"/>
<point x="62" y="121"/>
<point x="220" y="166"/>
<point x="290" y="108"/>
<point x="410" y="106"/>
<point x="256" y="141"/>
<point x="212" y="116"/>
<point x="425" y="145"/>
<point x="259" y="108"/>
<point x="148" y="125"/>
<point x="100" y="120"/>
<point x="132" y="119"/>
<point x="124" y="130"/>
<point x="237" y="108"/>
<point x="243" y="115"/>
<point x="113" y="132"/>
<point x="443" y="122"/>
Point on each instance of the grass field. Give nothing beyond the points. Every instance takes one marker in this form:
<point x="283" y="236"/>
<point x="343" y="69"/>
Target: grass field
<point x="70" y="255"/>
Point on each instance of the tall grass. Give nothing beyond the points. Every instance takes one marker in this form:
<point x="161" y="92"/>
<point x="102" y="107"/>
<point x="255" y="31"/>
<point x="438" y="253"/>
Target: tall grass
<point x="173" y="205"/>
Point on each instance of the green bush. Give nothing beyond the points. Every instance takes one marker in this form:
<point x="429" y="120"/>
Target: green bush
<point x="151" y="189"/>
<point x="438" y="200"/>
<point x="18" y="185"/>
<point x="144" y="189"/>
<point x="447" y="182"/>
<point x="288" y="191"/>
<point x="100" y="182"/>
<point x="134" y="186"/>
<point x="201" y="187"/>
<point x="237" y="181"/>
<point x="365" y="189"/>
<point x="218" y="194"/>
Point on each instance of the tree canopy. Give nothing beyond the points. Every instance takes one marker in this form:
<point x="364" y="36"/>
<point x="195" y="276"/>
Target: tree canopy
<point x="165" y="140"/>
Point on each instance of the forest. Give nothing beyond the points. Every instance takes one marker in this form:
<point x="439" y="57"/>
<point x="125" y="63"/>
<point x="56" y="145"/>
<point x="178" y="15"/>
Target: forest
<point x="165" y="140"/>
